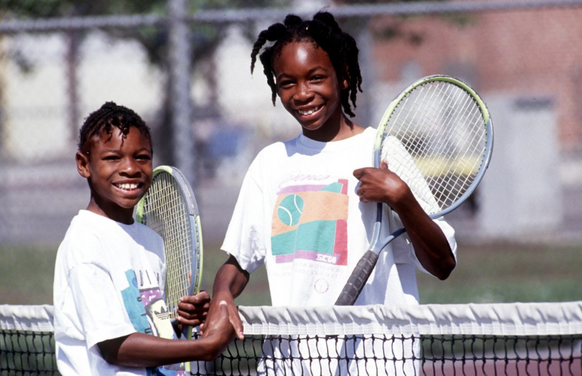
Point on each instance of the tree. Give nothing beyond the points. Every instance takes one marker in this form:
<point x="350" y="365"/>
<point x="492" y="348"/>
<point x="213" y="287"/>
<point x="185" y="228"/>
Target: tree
<point x="205" y="39"/>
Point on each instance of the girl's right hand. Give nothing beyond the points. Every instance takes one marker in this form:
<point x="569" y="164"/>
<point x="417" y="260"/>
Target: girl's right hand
<point x="217" y="331"/>
<point x="223" y="312"/>
<point x="382" y="185"/>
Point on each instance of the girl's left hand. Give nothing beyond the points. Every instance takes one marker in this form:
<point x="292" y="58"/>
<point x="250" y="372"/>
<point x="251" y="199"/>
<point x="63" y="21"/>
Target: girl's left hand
<point x="192" y="310"/>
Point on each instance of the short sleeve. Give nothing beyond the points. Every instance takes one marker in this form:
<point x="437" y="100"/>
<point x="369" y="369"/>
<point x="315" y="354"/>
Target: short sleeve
<point x="102" y="314"/>
<point x="245" y="237"/>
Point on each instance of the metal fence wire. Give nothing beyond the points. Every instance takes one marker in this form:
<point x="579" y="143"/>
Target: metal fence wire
<point x="187" y="73"/>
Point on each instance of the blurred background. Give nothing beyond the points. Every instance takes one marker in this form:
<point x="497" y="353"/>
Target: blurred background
<point x="184" y="66"/>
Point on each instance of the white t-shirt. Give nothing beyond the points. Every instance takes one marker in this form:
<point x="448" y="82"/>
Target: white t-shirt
<point x="298" y="212"/>
<point x="109" y="282"/>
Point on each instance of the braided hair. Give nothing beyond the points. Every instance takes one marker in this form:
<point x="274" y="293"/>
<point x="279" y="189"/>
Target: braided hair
<point x="110" y="116"/>
<point x="324" y="32"/>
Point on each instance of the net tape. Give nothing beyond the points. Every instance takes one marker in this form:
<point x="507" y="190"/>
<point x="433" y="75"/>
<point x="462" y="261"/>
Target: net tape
<point x="472" y="339"/>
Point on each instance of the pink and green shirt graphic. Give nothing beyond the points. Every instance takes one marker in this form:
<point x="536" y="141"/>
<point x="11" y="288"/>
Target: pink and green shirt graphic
<point x="310" y="222"/>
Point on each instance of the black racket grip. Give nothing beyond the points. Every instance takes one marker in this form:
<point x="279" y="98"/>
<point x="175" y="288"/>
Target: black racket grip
<point x="358" y="279"/>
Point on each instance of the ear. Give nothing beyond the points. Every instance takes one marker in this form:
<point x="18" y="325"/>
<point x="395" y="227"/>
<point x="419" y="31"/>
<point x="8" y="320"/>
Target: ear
<point x="82" y="164"/>
<point x="345" y="83"/>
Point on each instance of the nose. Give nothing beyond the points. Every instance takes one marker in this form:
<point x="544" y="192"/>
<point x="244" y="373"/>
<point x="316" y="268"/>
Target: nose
<point x="303" y="92"/>
<point x="129" y="166"/>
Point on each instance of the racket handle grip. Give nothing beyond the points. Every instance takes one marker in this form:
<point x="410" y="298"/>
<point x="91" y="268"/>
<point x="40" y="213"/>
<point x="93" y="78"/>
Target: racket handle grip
<point x="358" y="279"/>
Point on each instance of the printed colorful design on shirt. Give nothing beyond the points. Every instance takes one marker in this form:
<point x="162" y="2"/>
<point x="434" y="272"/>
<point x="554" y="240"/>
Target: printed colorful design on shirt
<point x="147" y="311"/>
<point x="310" y="222"/>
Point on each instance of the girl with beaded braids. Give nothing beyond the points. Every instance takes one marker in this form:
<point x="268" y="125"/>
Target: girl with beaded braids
<point x="307" y="205"/>
<point x="324" y="32"/>
<point x="109" y="314"/>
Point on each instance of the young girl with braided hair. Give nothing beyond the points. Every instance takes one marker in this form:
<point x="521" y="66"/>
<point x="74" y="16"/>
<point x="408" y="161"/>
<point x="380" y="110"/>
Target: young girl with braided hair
<point x="110" y="316"/>
<point x="307" y="206"/>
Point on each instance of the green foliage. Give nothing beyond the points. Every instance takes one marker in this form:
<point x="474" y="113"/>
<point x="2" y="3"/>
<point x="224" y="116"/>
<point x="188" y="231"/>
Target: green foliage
<point x="385" y="1"/>
<point x="205" y="38"/>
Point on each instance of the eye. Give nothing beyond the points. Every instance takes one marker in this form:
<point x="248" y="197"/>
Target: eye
<point x="111" y="158"/>
<point x="317" y="78"/>
<point x="285" y="84"/>
<point x="143" y="157"/>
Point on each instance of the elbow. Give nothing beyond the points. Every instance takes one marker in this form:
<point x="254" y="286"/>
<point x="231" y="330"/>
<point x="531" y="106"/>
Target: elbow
<point x="444" y="272"/>
<point x="109" y="358"/>
<point x="213" y="355"/>
<point x="213" y="351"/>
<point x="110" y="350"/>
<point x="209" y="356"/>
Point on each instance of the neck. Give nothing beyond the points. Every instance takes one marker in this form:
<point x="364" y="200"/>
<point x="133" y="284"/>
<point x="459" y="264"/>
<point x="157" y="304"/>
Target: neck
<point x="124" y="216"/>
<point x="336" y="129"/>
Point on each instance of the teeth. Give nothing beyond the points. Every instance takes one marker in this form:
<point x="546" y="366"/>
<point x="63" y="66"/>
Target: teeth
<point x="127" y="186"/>
<point x="308" y="112"/>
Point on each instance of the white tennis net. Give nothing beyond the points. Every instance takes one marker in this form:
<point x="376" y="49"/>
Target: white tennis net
<point x="464" y="339"/>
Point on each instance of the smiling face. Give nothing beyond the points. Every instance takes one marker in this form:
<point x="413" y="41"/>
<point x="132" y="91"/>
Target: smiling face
<point x="309" y="90"/>
<point x="119" y="171"/>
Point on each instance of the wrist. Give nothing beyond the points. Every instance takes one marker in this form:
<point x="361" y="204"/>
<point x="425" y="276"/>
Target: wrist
<point x="222" y="295"/>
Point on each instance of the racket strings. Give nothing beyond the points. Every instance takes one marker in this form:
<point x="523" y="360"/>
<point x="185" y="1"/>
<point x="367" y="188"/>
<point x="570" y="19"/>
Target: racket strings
<point x="463" y="114"/>
<point x="174" y="228"/>
<point x="441" y="130"/>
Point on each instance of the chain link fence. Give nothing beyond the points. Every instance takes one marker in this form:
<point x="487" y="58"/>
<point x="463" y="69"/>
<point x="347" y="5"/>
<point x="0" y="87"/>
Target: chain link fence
<point x="188" y="75"/>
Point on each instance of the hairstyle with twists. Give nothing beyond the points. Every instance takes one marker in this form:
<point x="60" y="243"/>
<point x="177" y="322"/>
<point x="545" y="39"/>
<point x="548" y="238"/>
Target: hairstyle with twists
<point x="325" y="33"/>
<point x="110" y="116"/>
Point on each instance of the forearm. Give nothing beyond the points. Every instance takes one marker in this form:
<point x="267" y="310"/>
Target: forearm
<point x="230" y="280"/>
<point x="229" y="283"/>
<point x="430" y="243"/>
<point x="143" y="350"/>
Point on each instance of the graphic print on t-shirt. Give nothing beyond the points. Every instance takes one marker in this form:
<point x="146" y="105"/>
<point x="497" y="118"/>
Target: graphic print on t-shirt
<point x="310" y="222"/>
<point x="147" y="311"/>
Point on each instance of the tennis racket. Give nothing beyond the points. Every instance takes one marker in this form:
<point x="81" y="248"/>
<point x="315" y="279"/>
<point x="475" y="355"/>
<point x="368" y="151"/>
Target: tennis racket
<point x="170" y="209"/>
<point x="437" y="137"/>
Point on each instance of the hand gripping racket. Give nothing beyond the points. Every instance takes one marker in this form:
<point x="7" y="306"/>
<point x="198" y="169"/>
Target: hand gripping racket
<point x="170" y="209"/>
<point x="437" y="137"/>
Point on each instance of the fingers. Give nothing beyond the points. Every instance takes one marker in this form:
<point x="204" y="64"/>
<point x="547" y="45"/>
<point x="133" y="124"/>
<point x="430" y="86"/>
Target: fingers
<point x="192" y="310"/>
<point x="226" y="310"/>
<point x="223" y="320"/>
<point x="384" y="165"/>
<point x="361" y="192"/>
<point x="358" y="173"/>
<point x="368" y="183"/>
<point x="375" y="183"/>
<point x="201" y="297"/>
<point x="219" y="329"/>
<point x="233" y="318"/>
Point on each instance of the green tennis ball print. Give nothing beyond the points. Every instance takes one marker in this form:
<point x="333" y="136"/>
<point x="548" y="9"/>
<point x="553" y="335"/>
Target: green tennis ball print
<point x="290" y="209"/>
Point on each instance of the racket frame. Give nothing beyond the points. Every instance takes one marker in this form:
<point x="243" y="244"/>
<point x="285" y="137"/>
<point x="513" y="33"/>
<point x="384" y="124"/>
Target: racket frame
<point x="191" y="208"/>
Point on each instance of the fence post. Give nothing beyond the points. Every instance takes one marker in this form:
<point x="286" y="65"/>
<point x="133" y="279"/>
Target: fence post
<point x="180" y="100"/>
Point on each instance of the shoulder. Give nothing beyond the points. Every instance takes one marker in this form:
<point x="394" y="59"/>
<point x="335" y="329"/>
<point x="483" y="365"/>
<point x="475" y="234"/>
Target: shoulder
<point x="277" y="148"/>
<point x="84" y="239"/>
<point x="87" y="225"/>
<point x="150" y="236"/>
<point x="369" y="133"/>
<point x="368" y="138"/>
<point x="272" y="154"/>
